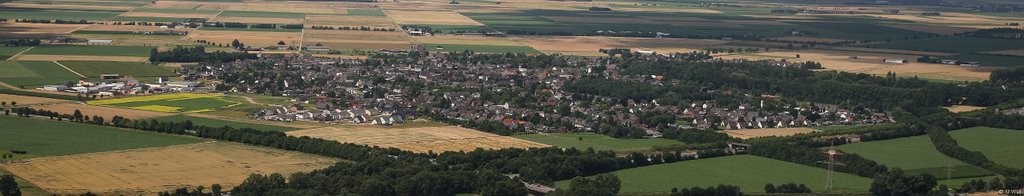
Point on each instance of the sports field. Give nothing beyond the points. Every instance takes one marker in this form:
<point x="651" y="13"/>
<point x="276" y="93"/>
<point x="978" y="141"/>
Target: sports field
<point x="220" y="123"/>
<point x="748" y="172"/>
<point x="136" y="69"/>
<point x="421" y="139"/>
<point x="178" y="102"/>
<point x="150" y="170"/>
<point x="597" y="141"/>
<point x="41" y="137"/>
<point x="999" y="145"/>
<point x="914" y="155"/>
<point x="27" y="74"/>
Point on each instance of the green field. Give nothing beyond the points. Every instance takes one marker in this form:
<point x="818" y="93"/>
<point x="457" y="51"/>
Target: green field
<point x="999" y="145"/>
<point x="55" y="14"/>
<point x="914" y="155"/>
<point x="992" y="60"/>
<point x="220" y="123"/>
<point x="365" y="12"/>
<point x="139" y="51"/>
<point x="182" y="105"/>
<point x="596" y="141"/>
<point x="7" y="52"/>
<point x="954" y="44"/>
<point x="230" y="13"/>
<point x="175" y="11"/>
<point x="93" y="69"/>
<point x="479" y="48"/>
<point x="748" y="172"/>
<point x="148" y="19"/>
<point x="40" y="137"/>
<point x="34" y="73"/>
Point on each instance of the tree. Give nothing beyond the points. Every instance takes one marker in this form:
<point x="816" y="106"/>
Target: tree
<point x="895" y="182"/>
<point x="78" y="115"/>
<point x="236" y="44"/>
<point x="216" y="189"/>
<point x="8" y="187"/>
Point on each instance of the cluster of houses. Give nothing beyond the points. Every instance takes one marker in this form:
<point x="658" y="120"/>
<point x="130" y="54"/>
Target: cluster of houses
<point x="377" y="94"/>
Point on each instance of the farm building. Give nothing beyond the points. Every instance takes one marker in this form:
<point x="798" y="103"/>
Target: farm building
<point x="896" y="61"/>
<point x="318" y="48"/>
<point x="100" y="41"/>
<point x="109" y="76"/>
<point x="970" y="64"/>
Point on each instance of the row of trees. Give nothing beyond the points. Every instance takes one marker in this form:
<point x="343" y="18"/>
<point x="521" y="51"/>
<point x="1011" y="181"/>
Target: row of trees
<point x="786" y="188"/>
<point x="720" y="190"/>
<point x="195" y="54"/>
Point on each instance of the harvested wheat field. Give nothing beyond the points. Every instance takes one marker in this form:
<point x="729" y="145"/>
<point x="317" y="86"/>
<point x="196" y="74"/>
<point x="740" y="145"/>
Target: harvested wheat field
<point x="430" y="17"/>
<point x="46" y="57"/>
<point x="27" y="100"/>
<point x="259" y="20"/>
<point x="669" y="45"/>
<point x="349" y="21"/>
<point x="343" y="39"/>
<point x="151" y="170"/>
<point x="292" y="7"/>
<point x="36" y="30"/>
<point x="417" y="139"/>
<point x="573" y="45"/>
<point x="105" y="112"/>
<point x="963" y="108"/>
<point x="249" y="38"/>
<point x="466" y="39"/>
<point x="755" y="133"/>
<point x="872" y="63"/>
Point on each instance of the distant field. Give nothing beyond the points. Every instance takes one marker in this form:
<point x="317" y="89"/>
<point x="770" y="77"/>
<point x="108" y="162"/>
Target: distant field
<point x="954" y="44"/>
<point x="179" y="102"/>
<point x="479" y="48"/>
<point x="136" y="69"/>
<point x="232" y="13"/>
<point x="34" y="73"/>
<point x="7" y="52"/>
<point x="136" y="51"/>
<point x="148" y="19"/>
<point x="999" y="145"/>
<point x="914" y="155"/>
<point x="220" y="123"/>
<point x="151" y="170"/>
<point x="53" y="14"/>
<point x="51" y="138"/>
<point x="596" y="141"/>
<point x="992" y="60"/>
<point x="365" y="12"/>
<point x="748" y="172"/>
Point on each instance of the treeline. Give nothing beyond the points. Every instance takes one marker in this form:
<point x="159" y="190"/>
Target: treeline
<point x="999" y="33"/>
<point x="720" y="190"/>
<point x="58" y="21"/>
<point x="359" y="28"/>
<point x="23" y="42"/>
<point x="786" y="188"/>
<point x="1010" y="75"/>
<point x="945" y="144"/>
<point x="896" y="182"/>
<point x="994" y="184"/>
<point x="196" y="54"/>
<point x="255" y="26"/>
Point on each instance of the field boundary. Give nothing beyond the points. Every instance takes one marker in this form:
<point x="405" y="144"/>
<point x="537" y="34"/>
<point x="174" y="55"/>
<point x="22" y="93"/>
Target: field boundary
<point x="69" y="69"/>
<point x="19" y="53"/>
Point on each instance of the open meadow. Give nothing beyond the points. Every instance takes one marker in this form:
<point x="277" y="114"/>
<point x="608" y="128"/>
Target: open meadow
<point x="29" y="74"/>
<point x="421" y="139"/>
<point x="42" y="137"/>
<point x="748" y="172"/>
<point x="151" y="170"/>
<point x="914" y="155"/>
<point x="177" y="102"/>
<point x="999" y="145"/>
<point x="583" y="141"/>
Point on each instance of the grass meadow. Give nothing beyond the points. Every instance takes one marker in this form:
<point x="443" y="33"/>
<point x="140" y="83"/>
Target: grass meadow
<point x="34" y="73"/>
<point x="8" y="51"/>
<point x="914" y="155"/>
<point x="136" y="51"/>
<point x="748" y="172"/>
<point x="137" y="69"/>
<point x="596" y="141"/>
<point x="41" y="137"/>
<point x="999" y="145"/>
<point x="220" y="123"/>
